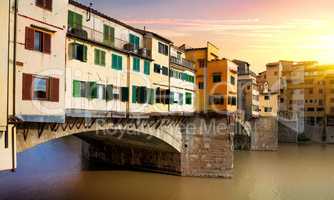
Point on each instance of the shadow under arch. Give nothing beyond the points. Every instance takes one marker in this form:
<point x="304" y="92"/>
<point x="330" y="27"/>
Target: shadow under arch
<point x="129" y="150"/>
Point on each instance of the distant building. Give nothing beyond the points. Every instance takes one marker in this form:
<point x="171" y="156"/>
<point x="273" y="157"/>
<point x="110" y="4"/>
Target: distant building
<point x="268" y="102"/>
<point x="216" y="80"/>
<point x="248" y="93"/>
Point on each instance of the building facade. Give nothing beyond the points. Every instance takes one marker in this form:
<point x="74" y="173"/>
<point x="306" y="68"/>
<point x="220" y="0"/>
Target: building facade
<point x="216" y="80"/>
<point x="182" y="80"/>
<point x="248" y="93"/>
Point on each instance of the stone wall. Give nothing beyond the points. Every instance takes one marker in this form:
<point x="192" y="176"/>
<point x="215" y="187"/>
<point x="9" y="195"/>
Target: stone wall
<point x="264" y="134"/>
<point x="208" y="148"/>
<point x="286" y="134"/>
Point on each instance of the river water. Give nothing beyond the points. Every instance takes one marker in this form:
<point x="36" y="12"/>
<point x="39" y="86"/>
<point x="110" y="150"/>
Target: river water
<point x="53" y="171"/>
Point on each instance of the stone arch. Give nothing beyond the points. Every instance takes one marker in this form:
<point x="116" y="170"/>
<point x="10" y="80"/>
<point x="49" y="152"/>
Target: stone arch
<point x="163" y="129"/>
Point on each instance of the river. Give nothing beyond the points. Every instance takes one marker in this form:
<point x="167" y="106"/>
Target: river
<point x="53" y="171"/>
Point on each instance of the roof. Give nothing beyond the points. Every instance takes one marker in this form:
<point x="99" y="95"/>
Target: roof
<point x="155" y="35"/>
<point x="95" y="12"/>
<point x="197" y="49"/>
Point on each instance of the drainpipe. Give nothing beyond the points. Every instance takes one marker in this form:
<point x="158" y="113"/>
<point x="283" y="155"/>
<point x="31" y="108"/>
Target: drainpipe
<point x="169" y="85"/>
<point x="14" y="81"/>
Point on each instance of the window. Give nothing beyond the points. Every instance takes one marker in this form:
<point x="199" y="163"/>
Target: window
<point x="165" y="71"/>
<point x="92" y="90"/>
<point x="147" y="65"/>
<point x="267" y="97"/>
<point x="37" y="40"/>
<point x="136" y="64"/>
<point x="200" y="85"/>
<point x="74" y="20"/>
<point x="142" y="95"/>
<point x="216" y="78"/>
<point x="45" y="4"/>
<point x="125" y="94"/>
<point x="79" y="89"/>
<point x="181" y="101"/>
<point x="282" y="100"/>
<point x="40" y="88"/>
<point x="108" y="35"/>
<point x="268" y="109"/>
<point x="216" y="100"/>
<point x="100" y="57"/>
<point x="157" y="68"/>
<point x="201" y="63"/>
<point x="232" y="101"/>
<point x="134" y="41"/>
<point x="101" y="92"/>
<point x="163" y="49"/>
<point x="117" y="62"/>
<point x="78" y="52"/>
<point x="189" y="98"/>
<point x="232" y="79"/>
<point x="162" y="96"/>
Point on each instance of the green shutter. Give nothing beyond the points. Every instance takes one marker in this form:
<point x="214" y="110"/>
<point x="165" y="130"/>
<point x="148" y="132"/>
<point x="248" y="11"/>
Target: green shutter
<point x="188" y="98"/>
<point x="108" y="35"/>
<point x="134" y="40"/>
<point x="92" y="90"/>
<point x="76" y="88"/>
<point x="74" y="20"/>
<point x="114" y="61"/>
<point x="117" y="62"/>
<point x="96" y="56"/>
<point x="151" y="96"/>
<point x="125" y="94"/>
<point x="103" y="58"/>
<point x="136" y="64"/>
<point x="120" y="62"/>
<point x="109" y="92"/>
<point x="147" y="67"/>
<point x="71" y="19"/>
<point x="134" y="94"/>
<point x="171" y="96"/>
<point x="84" y="53"/>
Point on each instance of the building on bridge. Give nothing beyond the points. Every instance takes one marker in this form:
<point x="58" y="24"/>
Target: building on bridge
<point x="248" y="93"/>
<point x="69" y="61"/>
<point x="216" y="79"/>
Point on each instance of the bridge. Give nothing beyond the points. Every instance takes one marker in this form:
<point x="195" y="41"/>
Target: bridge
<point x="187" y="145"/>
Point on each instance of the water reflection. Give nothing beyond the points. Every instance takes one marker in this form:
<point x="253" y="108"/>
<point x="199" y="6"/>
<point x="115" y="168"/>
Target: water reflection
<point x="53" y="171"/>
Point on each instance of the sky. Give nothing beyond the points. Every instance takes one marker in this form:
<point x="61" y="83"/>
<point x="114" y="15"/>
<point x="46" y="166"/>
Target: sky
<point x="257" y="31"/>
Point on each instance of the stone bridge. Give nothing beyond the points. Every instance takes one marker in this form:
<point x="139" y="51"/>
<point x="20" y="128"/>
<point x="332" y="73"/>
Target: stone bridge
<point x="198" y="145"/>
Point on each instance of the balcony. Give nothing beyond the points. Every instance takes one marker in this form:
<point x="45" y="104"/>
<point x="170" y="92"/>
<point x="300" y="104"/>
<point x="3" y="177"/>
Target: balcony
<point x="96" y="36"/>
<point x="181" y="62"/>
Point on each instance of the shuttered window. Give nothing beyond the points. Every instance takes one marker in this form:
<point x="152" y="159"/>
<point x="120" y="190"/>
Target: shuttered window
<point x="40" y="88"/>
<point x="117" y="62"/>
<point x="134" y="94"/>
<point x="136" y="64"/>
<point x="45" y="4"/>
<point x="151" y="97"/>
<point x="92" y="90"/>
<point x="134" y="40"/>
<point x="157" y="68"/>
<point x="78" y="52"/>
<point x="109" y="92"/>
<point x="108" y="35"/>
<point x="189" y="98"/>
<point x="100" y="57"/>
<point x="163" y="49"/>
<point x="74" y="20"/>
<point x="79" y="88"/>
<point x="125" y="94"/>
<point x="147" y="68"/>
<point x="37" y="40"/>
<point x="165" y="71"/>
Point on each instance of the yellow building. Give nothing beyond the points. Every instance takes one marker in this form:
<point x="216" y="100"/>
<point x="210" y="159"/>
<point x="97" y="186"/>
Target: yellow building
<point x="216" y="80"/>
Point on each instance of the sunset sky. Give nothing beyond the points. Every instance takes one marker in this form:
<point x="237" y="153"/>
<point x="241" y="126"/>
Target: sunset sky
<point x="258" y="31"/>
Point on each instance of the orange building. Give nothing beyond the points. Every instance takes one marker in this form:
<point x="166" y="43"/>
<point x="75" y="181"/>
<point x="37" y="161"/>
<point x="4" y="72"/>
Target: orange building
<point x="216" y="80"/>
